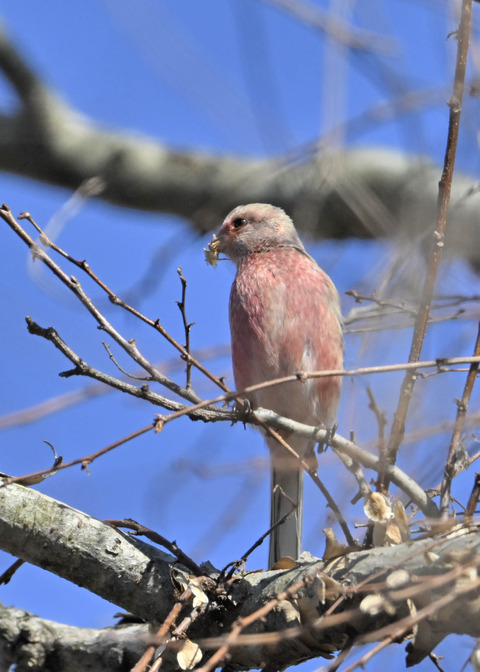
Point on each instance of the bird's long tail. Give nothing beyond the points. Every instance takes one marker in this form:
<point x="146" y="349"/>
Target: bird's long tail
<point x="286" y="488"/>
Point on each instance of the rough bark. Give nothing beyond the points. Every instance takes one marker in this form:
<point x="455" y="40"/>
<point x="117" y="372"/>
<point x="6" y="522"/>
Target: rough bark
<point x="441" y="579"/>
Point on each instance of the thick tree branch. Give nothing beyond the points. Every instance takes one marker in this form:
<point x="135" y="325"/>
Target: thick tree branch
<point x="85" y="551"/>
<point x="325" y="610"/>
<point x="364" y="193"/>
<point x="32" y="643"/>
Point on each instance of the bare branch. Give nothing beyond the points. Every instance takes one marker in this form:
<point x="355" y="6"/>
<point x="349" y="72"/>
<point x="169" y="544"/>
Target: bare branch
<point x="187" y="327"/>
<point x="453" y="464"/>
<point x="140" y="530"/>
<point x="137" y="577"/>
<point x="29" y="642"/>
<point x="365" y="458"/>
<point x="327" y="22"/>
<point x="129" y="346"/>
<point x="437" y="236"/>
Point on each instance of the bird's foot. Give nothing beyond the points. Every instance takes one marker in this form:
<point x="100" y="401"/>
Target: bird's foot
<point x="242" y="410"/>
<point x="330" y="433"/>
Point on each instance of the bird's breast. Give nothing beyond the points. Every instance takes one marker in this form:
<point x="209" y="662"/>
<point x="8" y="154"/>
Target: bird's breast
<point x="284" y="318"/>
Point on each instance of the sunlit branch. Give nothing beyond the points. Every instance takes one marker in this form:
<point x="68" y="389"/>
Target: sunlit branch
<point x="437" y="236"/>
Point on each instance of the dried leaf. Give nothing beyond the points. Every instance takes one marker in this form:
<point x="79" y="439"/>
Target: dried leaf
<point x="377" y="508"/>
<point x="401" y="518"/>
<point x="393" y="536"/>
<point x="189" y="655"/>
<point x="375" y="604"/>
<point x="333" y="548"/>
<point x="200" y="599"/>
<point x="179" y="579"/>
<point x="285" y="563"/>
<point x="398" y="578"/>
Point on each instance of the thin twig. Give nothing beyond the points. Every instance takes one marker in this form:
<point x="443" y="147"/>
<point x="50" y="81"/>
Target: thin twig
<point x="435" y="660"/>
<point x="381" y="424"/>
<point x="73" y="284"/>
<point x="462" y="408"/>
<point x="8" y="573"/>
<point x="241" y="623"/>
<point x="84" y="461"/>
<point x="472" y="502"/>
<point x="332" y="619"/>
<point x="312" y="472"/>
<point x="143" y="392"/>
<point x="125" y="373"/>
<point x="157" y="538"/>
<point x="160" y="637"/>
<point x="398" y="307"/>
<point x="442" y="365"/>
<point x="75" y="287"/>
<point x="187" y="327"/>
<point x="261" y="539"/>
<point x="438" y="235"/>
<point x="394" y="631"/>
<point x="356" y="470"/>
<point x="364" y="457"/>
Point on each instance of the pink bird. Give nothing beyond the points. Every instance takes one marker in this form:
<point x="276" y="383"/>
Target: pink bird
<point x="284" y="318"/>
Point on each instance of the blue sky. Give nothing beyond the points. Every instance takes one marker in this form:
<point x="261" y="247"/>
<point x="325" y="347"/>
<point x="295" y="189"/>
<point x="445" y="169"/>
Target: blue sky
<point x="241" y="78"/>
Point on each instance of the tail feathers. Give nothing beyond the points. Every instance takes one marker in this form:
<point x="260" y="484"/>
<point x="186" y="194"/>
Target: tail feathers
<point x="287" y="488"/>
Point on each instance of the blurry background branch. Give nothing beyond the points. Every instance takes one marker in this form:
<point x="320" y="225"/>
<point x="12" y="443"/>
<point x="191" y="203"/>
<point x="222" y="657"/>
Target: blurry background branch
<point x="359" y="193"/>
<point x="185" y="109"/>
<point x="197" y="409"/>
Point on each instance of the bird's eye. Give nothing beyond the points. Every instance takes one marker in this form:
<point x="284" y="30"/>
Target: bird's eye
<point x="239" y="222"/>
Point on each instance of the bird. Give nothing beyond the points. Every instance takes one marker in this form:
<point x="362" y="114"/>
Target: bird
<point x="285" y="318"/>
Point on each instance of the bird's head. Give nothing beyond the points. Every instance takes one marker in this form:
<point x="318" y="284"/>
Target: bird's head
<point x="250" y="229"/>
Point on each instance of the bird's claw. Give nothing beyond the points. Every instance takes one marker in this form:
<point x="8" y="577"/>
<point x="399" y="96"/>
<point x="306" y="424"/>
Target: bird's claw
<point x="243" y="410"/>
<point x="330" y="433"/>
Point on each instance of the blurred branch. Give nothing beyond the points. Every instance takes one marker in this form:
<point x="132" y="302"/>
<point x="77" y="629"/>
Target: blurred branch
<point x="270" y="421"/>
<point x="363" y="193"/>
<point x="390" y="314"/>
<point x="327" y="22"/>
<point x="317" y="608"/>
<point x="94" y="390"/>
<point x="205" y="409"/>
